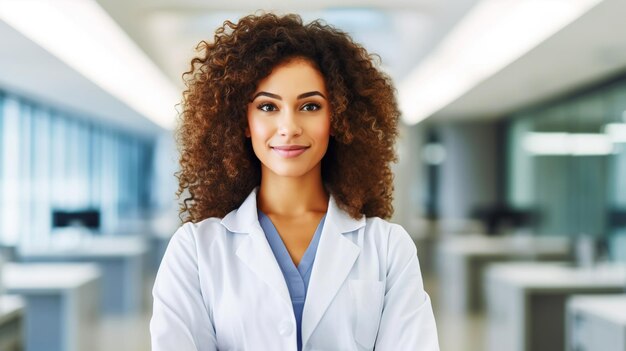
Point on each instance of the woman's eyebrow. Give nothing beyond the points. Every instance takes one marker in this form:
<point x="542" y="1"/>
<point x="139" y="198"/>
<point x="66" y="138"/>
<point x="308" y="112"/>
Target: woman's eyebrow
<point x="311" y="93"/>
<point x="264" y="93"/>
<point x="278" y="97"/>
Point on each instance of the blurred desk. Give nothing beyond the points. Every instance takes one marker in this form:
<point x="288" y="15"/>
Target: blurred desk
<point x="61" y="304"/>
<point x="462" y="261"/>
<point x="526" y="301"/>
<point x="596" y="323"/>
<point x="11" y="322"/>
<point x="121" y="260"/>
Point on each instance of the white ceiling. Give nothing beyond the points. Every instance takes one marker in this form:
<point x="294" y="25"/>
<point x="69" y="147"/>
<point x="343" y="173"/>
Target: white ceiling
<point x="30" y="72"/>
<point x="587" y="51"/>
<point x="402" y="32"/>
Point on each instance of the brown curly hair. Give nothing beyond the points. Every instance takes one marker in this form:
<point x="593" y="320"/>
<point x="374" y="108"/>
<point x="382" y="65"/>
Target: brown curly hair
<point x="218" y="167"/>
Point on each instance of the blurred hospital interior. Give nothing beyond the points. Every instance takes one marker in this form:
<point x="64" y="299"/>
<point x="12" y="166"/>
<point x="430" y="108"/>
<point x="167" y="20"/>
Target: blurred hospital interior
<point x="511" y="176"/>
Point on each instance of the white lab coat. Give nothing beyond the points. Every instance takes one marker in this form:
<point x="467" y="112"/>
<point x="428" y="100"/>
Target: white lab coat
<point x="219" y="287"/>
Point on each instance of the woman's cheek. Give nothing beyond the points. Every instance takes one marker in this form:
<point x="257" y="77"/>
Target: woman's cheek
<point x="260" y="130"/>
<point x="322" y="129"/>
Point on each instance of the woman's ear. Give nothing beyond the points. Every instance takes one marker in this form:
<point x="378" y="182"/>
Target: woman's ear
<point x="247" y="132"/>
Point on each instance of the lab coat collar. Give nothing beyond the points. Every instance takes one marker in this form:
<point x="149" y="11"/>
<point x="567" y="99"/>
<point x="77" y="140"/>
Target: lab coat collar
<point x="254" y="251"/>
<point x="336" y="255"/>
<point x="334" y="259"/>
<point x="245" y="218"/>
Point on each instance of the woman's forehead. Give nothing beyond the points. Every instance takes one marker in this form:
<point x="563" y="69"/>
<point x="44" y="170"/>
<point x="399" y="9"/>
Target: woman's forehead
<point x="293" y="76"/>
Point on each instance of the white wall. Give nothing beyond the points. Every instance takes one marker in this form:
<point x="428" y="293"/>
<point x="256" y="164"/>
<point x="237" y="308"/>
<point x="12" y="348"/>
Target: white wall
<point x="468" y="175"/>
<point x="408" y="178"/>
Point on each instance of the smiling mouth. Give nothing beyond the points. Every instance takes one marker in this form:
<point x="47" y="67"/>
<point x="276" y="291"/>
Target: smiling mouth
<point x="289" y="151"/>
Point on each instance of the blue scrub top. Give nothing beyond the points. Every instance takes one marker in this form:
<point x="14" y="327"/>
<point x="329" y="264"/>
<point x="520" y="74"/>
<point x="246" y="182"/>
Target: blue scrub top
<point x="297" y="278"/>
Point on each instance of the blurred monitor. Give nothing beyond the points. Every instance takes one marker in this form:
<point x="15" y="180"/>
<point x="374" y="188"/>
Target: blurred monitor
<point x="86" y="218"/>
<point x="496" y="218"/>
<point x="616" y="218"/>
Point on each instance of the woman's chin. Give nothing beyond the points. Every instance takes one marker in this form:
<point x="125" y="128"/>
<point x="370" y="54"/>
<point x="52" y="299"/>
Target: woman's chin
<point x="289" y="171"/>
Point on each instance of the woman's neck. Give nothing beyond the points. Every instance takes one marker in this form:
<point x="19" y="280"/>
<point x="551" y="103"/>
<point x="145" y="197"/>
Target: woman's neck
<point x="292" y="196"/>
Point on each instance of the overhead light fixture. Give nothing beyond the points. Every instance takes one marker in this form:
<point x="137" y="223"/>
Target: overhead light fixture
<point x="87" y="39"/>
<point x="562" y="144"/>
<point x="491" y="36"/>
<point x="616" y="132"/>
<point x="546" y="143"/>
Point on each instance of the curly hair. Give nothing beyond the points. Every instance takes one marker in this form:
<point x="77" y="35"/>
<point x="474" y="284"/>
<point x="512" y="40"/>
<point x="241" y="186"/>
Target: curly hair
<point x="218" y="167"/>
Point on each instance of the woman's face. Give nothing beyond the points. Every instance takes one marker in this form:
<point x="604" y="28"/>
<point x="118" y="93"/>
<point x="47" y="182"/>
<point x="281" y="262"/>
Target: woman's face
<point x="289" y="119"/>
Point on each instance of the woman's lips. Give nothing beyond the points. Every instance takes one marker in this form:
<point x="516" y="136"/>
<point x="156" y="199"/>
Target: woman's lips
<point x="289" y="151"/>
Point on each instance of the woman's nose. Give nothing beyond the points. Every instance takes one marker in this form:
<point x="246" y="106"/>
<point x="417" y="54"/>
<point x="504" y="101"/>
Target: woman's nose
<point x="288" y="124"/>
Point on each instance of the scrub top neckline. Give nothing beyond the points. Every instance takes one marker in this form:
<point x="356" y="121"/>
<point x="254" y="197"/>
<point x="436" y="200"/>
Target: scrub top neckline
<point x="296" y="278"/>
<point x="306" y="261"/>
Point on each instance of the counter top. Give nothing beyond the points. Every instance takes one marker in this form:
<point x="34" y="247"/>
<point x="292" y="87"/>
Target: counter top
<point x="106" y="246"/>
<point x="553" y="275"/>
<point x="609" y="307"/>
<point x="46" y="277"/>
<point x="10" y="305"/>
<point x="506" y="245"/>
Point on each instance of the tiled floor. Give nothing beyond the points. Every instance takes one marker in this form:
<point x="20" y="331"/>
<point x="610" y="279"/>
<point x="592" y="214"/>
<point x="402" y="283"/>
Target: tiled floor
<point x="456" y="332"/>
<point x="124" y="333"/>
<point x="130" y="332"/>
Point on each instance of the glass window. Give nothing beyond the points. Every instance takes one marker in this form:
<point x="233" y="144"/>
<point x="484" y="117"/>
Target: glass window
<point x="577" y="184"/>
<point x="41" y="170"/>
<point x="50" y="160"/>
<point x="1" y="166"/>
<point x="11" y="153"/>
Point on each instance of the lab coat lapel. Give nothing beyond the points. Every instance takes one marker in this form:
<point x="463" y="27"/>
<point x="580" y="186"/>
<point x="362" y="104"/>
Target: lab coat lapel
<point x="334" y="259"/>
<point x="255" y="251"/>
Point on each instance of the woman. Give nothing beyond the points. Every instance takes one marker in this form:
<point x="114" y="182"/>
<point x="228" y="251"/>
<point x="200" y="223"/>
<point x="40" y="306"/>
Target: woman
<point x="286" y="138"/>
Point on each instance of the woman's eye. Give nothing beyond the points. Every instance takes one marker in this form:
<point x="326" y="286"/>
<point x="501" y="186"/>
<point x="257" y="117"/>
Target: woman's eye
<point x="266" y="107"/>
<point x="311" y="107"/>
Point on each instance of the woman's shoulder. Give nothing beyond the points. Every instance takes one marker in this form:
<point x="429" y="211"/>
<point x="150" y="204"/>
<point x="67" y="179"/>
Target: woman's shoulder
<point x="384" y="227"/>
<point x="207" y="224"/>
<point x="388" y="234"/>
<point x="204" y="231"/>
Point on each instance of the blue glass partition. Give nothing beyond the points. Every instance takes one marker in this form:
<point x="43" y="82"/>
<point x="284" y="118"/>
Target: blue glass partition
<point x="50" y="160"/>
